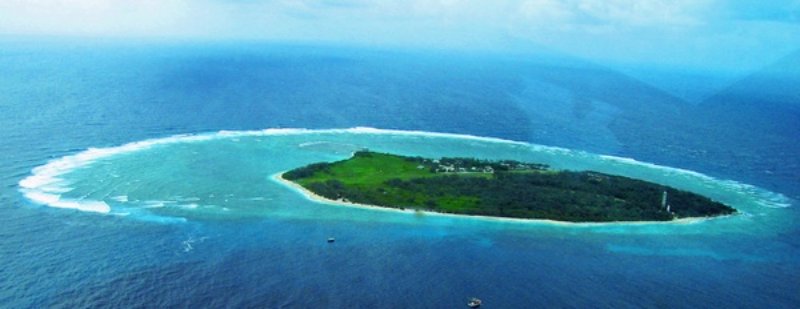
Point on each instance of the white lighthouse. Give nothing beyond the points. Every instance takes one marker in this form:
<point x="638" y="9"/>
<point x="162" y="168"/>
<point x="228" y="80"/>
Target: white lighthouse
<point x="664" y="201"/>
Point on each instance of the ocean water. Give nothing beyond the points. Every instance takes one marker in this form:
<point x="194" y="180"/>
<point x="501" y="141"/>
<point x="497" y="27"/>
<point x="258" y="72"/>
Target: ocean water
<point x="139" y="175"/>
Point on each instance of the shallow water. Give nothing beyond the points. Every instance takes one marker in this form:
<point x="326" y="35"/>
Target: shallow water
<point x="229" y="175"/>
<point x="165" y="241"/>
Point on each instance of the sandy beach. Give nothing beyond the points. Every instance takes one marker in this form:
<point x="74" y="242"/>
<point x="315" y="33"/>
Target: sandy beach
<point x="320" y="199"/>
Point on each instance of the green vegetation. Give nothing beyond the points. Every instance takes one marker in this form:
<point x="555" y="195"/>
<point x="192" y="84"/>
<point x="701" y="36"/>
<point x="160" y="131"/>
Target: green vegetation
<point x="498" y="188"/>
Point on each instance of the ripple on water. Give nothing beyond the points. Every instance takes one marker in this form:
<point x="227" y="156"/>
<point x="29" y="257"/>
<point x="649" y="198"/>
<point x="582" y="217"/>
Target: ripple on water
<point x="209" y="175"/>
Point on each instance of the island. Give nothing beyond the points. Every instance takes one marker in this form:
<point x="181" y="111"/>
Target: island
<point x="507" y="188"/>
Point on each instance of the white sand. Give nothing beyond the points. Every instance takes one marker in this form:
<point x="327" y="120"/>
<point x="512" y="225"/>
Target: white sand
<point x="320" y="199"/>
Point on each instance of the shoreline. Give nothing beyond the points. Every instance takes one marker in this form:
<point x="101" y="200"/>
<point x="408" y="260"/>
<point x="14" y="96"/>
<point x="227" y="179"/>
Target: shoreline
<point x="323" y="200"/>
<point x="44" y="179"/>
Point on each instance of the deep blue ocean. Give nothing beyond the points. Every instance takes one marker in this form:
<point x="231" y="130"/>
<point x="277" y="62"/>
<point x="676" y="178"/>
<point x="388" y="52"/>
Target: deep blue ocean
<point x="59" y="98"/>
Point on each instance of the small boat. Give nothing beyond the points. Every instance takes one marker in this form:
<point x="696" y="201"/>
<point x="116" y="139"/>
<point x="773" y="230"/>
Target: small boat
<point x="474" y="303"/>
<point x="331" y="239"/>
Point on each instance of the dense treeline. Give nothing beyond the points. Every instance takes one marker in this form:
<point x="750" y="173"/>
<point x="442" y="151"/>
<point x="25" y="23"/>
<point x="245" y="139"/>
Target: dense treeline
<point x="306" y="171"/>
<point x="562" y="195"/>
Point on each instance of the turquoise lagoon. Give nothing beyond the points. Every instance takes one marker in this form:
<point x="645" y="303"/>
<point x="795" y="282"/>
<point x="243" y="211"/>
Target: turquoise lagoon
<point x="228" y="175"/>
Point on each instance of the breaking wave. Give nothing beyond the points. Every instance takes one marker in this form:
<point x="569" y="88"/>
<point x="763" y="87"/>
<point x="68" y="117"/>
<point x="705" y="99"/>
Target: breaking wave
<point x="46" y="186"/>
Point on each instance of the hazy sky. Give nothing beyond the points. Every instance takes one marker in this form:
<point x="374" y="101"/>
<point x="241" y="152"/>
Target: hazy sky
<point x="695" y="34"/>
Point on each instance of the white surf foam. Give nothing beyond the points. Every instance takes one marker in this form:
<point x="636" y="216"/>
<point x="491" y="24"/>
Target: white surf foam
<point x="759" y="196"/>
<point x="189" y="206"/>
<point x="45" y="186"/>
<point x="309" y="144"/>
<point x="156" y="204"/>
<point x="369" y="130"/>
<point x="56" y="201"/>
<point x="120" y="198"/>
<point x="672" y="170"/>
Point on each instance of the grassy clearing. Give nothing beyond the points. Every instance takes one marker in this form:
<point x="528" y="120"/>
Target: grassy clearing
<point x="371" y="170"/>
<point x="502" y="188"/>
